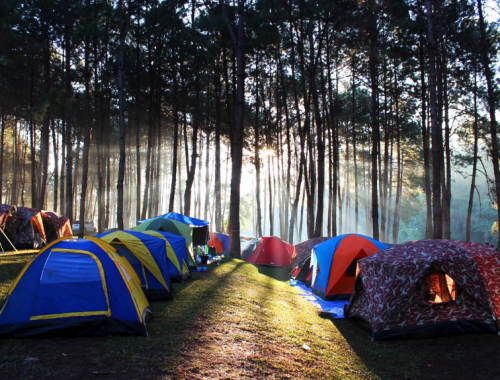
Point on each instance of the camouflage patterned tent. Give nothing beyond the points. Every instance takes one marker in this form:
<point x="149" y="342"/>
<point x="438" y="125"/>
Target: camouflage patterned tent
<point x="29" y="228"/>
<point x="428" y="288"/>
<point x="304" y="249"/>
<point x="29" y="232"/>
<point x="55" y="225"/>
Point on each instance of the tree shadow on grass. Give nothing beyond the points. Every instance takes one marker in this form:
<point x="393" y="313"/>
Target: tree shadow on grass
<point x="175" y="324"/>
<point x="278" y="273"/>
<point x="457" y="357"/>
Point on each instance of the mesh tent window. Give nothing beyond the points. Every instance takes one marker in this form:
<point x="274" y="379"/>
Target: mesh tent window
<point x="438" y="287"/>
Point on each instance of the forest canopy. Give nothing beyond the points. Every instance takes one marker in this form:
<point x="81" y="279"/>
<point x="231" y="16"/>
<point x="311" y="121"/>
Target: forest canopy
<point x="290" y="118"/>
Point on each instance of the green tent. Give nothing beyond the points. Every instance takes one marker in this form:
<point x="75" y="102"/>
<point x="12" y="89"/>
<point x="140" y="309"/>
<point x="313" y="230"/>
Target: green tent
<point x="174" y="227"/>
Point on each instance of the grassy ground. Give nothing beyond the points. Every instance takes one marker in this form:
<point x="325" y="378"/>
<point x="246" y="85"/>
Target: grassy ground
<point x="239" y="321"/>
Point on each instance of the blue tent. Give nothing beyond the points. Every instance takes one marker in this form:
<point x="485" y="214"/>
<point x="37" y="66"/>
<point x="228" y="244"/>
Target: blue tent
<point x="75" y="287"/>
<point x="179" y="249"/>
<point x="334" y="264"/>
<point x="148" y="255"/>
<point x="180" y="218"/>
<point x="226" y="242"/>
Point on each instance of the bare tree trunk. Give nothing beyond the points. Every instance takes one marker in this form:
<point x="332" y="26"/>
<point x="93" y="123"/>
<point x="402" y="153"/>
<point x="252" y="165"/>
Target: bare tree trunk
<point x="237" y="140"/>
<point x="15" y="161"/>
<point x="447" y="189"/>
<point x="397" y="204"/>
<point x="354" y="153"/>
<point x="318" y="224"/>
<point x="335" y="162"/>
<point x="76" y="173"/>
<point x="491" y="104"/>
<point x="257" y="148"/>
<point x="176" y="144"/>
<point x="474" y="164"/>
<point x="207" y="176"/>
<point x="124" y="25"/>
<point x="191" y="171"/>
<point x="88" y="127"/>
<point x="425" y="142"/>
<point x="289" y="158"/>
<point x="1" y="155"/>
<point x="217" y="184"/>
<point x="108" y="185"/>
<point x="436" y="127"/>
<point x="44" y="136"/>
<point x="374" y="115"/>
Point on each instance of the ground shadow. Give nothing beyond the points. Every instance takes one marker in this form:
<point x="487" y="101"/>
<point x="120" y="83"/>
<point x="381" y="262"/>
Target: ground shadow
<point x="458" y="357"/>
<point x="278" y="273"/>
<point x="123" y="357"/>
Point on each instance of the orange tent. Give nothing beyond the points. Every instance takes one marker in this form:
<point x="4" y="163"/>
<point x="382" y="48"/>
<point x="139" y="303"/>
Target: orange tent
<point x="334" y="264"/>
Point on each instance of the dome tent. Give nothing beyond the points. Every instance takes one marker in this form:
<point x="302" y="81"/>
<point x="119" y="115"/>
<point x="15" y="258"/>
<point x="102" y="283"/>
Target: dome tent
<point x="176" y="245"/>
<point x="429" y="288"/>
<point x="221" y="242"/>
<point x="334" y="264"/>
<point x="75" y="287"/>
<point x="199" y="227"/>
<point x="173" y="227"/>
<point x="147" y="255"/>
<point x="273" y="251"/>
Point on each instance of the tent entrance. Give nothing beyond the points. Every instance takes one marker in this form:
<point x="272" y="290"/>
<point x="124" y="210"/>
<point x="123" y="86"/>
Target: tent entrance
<point x="438" y="287"/>
<point x="69" y="290"/>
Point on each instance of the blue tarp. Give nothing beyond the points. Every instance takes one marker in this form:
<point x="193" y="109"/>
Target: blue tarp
<point x="180" y="218"/>
<point x="334" y="308"/>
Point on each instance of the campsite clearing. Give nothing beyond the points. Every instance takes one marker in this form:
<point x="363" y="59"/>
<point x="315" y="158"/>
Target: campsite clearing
<point x="241" y="321"/>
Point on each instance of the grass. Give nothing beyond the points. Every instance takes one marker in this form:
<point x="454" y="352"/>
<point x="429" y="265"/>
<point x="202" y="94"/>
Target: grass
<point x="241" y="321"/>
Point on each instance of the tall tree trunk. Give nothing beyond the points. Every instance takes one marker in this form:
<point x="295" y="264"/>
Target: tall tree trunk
<point x="318" y="230"/>
<point x="62" y="169"/>
<point x="373" y="32"/>
<point x="176" y="142"/>
<point x="237" y="141"/>
<point x="302" y="160"/>
<point x="435" y="125"/>
<point x="425" y="143"/>
<point x="55" y="146"/>
<point x="137" y="116"/>
<point x="15" y="161"/>
<point x="207" y="176"/>
<point x="395" y="222"/>
<point x="69" y="135"/>
<point x="124" y="25"/>
<point x="474" y="164"/>
<point x="485" y="55"/>
<point x="334" y="144"/>
<point x="88" y="127"/>
<point x="354" y="154"/>
<point x="191" y="171"/>
<point x="447" y="188"/>
<point x="44" y="136"/>
<point x="1" y="155"/>
<point x="257" y="148"/>
<point x="76" y="173"/>
<point x="217" y="174"/>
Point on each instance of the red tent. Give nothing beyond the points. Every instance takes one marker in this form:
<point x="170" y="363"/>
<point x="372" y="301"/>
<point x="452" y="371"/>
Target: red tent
<point x="274" y="252"/>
